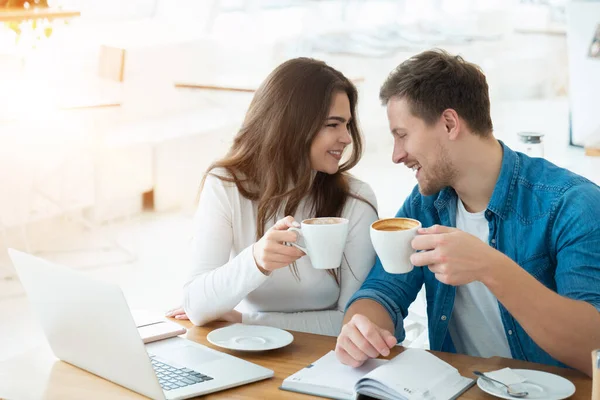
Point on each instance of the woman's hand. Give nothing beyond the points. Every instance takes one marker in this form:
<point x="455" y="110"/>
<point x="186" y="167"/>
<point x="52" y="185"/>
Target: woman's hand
<point x="177" y="313"/>
<point x="231" y="316"/>
<point x="271" y="253"/>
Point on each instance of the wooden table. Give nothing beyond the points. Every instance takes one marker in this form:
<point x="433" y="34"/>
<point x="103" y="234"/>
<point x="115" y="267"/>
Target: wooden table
<point x="38" y="375"/>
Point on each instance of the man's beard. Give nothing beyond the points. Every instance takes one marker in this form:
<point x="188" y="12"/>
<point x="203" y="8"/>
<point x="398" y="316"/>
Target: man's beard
<point x="438" y="176"/>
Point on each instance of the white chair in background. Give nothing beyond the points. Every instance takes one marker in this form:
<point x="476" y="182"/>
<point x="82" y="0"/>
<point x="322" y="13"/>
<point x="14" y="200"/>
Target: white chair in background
<point x="84" y="187"/>
<point x="63" y="182"/>
<point x="16" y="182"/>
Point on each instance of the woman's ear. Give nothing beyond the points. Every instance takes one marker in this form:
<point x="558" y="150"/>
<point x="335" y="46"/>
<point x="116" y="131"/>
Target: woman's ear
<point x="451" y="123"/>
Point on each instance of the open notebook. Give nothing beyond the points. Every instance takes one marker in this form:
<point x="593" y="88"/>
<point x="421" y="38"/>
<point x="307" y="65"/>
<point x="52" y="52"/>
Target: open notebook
<point x="413" y="374"/>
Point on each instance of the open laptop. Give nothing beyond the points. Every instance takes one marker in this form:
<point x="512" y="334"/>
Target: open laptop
<point x="88" y="324"/>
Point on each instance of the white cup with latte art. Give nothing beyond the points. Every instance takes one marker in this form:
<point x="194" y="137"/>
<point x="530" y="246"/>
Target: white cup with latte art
<point x="324" y="239"/>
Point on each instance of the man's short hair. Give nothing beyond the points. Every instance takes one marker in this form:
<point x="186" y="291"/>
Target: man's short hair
<point x="434" y="81"/>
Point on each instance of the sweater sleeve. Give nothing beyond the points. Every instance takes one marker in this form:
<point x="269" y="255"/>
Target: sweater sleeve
<point x="359" y="257"/>
<point x="217" y="283"/>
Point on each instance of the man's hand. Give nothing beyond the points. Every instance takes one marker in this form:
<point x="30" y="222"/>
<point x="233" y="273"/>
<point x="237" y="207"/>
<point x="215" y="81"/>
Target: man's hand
<point x="360" y="340"/>
<point x="455" y="257"/>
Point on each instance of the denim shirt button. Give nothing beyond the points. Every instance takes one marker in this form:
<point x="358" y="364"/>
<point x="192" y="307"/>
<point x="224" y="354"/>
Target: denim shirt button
<point x="443" y="318"/>
<point x="493" y="241"/>
<point x="510" y="331"/>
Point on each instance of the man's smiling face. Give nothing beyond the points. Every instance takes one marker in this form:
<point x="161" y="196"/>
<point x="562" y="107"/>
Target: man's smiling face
<point x="420" y="146"/>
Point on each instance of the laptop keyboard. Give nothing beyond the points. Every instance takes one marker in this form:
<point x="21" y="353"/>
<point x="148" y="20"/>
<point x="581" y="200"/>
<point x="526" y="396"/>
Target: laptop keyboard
<point x="171" y="378"/>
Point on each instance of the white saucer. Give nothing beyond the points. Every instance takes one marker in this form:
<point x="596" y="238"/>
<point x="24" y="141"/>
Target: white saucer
<point x="540" y="385"/>
<point x="250" y="337"/>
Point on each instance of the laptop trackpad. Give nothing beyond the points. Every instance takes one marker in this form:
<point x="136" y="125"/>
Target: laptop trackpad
<point x="186" y="356"/>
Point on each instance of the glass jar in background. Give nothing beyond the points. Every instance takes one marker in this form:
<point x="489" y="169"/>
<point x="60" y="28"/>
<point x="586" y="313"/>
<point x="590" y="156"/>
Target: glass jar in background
<point x="531" y="144"/>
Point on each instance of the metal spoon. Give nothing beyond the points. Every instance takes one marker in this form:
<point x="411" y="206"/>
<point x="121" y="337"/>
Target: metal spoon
<point x="509" y="390"/>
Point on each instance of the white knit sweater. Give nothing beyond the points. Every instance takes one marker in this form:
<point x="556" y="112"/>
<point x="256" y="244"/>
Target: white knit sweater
<point x="225" y="276"/>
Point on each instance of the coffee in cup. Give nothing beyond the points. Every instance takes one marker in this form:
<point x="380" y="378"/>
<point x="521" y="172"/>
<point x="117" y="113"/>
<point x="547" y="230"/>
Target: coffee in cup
<point x="395" y="224"/>
<point x="391" y="238"/>
<point x="325" y="240"/>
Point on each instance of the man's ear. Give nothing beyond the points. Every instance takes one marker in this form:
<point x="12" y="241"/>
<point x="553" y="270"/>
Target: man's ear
<point x="451" y="123"/>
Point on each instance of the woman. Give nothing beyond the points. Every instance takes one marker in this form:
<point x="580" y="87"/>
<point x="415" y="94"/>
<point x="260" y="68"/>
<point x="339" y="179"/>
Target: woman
<point x="285" y="160"/>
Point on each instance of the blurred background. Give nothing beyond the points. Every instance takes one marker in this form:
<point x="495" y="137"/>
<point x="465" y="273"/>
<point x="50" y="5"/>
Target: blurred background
<point x="111" y="111"/>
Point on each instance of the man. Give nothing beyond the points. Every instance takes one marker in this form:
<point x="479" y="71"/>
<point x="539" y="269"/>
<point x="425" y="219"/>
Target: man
<point x="510" y="257"/>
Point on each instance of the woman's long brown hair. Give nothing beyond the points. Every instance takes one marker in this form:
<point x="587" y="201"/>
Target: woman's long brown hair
<point x="269" y="160"/>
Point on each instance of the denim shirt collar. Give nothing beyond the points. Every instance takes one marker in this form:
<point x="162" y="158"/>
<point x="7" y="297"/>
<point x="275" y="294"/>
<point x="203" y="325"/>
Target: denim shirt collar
<point x="501" y="196"/>
<point x="503" y="191"/>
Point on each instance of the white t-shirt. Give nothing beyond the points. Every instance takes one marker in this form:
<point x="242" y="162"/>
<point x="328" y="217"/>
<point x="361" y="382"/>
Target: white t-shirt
<point x="476" y="328"/>
<point x="225" y="276"/>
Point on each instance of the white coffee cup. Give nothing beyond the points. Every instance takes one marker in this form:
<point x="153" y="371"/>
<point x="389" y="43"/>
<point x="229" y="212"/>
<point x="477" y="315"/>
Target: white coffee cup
<point x="325" y="240"/>
<point x="391" y="238"/>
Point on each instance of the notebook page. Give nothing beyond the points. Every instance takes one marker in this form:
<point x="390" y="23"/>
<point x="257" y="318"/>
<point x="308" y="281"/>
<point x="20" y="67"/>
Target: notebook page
<point x="453" y="388"/>
<point x="413" y="373"/>
<point x="329" y="372"/>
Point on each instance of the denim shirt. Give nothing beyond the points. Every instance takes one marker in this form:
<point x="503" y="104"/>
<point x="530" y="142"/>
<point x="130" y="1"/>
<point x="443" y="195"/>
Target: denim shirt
<point x="545" y="218"/>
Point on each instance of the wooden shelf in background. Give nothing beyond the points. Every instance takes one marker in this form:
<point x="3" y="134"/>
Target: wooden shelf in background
<point x="226" y="88"/>
<point x="7" y="15"/>
<point x="234" y="87"/>
<point x="592" y="151"/>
